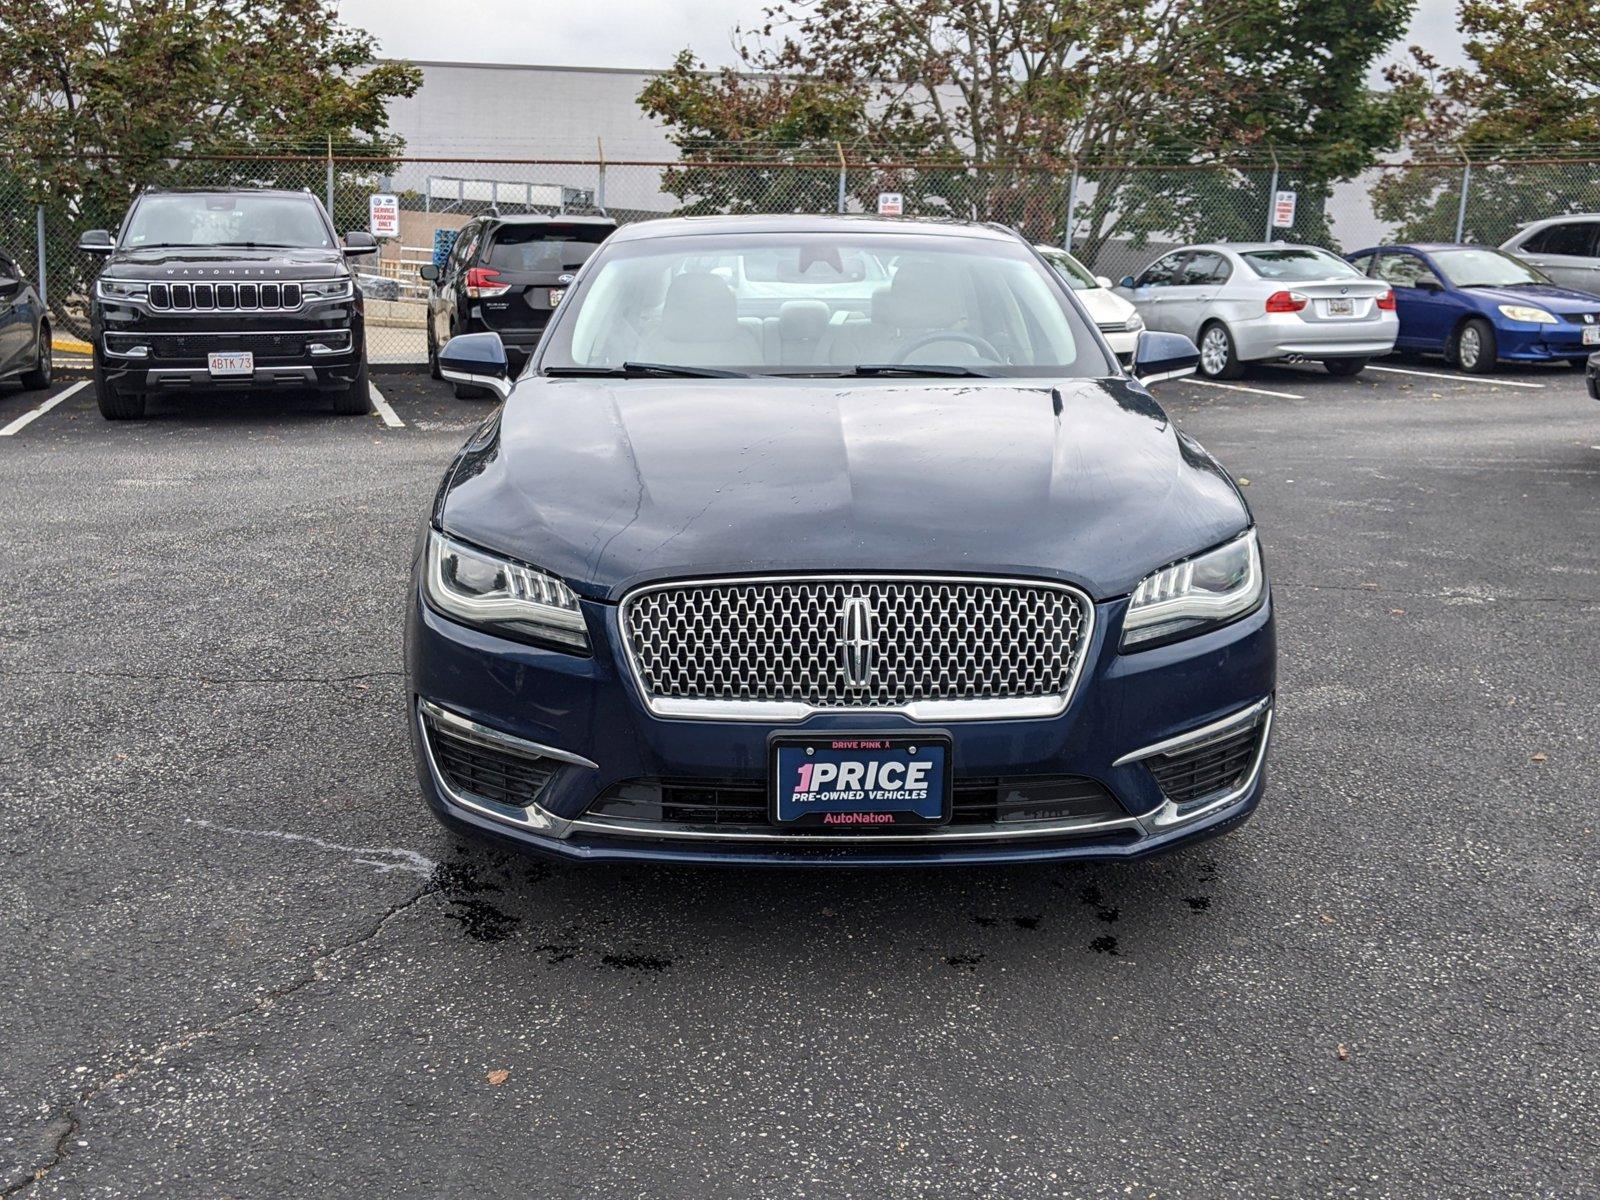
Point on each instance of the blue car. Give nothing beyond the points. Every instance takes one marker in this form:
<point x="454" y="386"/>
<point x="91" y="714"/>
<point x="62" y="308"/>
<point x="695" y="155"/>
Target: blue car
<point x="821" y="541"/>
<point x="1478" y="306"/>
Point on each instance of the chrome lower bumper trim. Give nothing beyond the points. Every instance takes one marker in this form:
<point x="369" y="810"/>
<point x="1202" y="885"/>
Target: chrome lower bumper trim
<point x="940" y="834"/>
<point x="1169" y="814"/>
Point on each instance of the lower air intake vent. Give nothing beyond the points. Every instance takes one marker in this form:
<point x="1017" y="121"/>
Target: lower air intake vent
<point x="474" y="767"/>
<point x="1196" y="773"/>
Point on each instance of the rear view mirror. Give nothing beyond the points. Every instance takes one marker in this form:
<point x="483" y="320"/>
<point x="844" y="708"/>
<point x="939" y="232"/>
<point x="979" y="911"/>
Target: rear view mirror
<point x="1127" y="282"/>
<point x="479" y="360"/>
<point x="96" y="241"/>
<point x="429" y="272"/>
<point x="1103" y="280"/>
<point x="1158" y="357"/>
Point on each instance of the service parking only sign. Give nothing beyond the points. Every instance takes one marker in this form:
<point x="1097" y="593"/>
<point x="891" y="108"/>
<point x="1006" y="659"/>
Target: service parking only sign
<point x="891" y="204"/>
<point x="1283" y="210"/>
<point x="385" y="216"/>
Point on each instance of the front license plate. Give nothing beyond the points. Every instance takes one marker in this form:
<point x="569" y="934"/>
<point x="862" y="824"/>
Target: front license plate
<point x="225" y="365"/>
<point x="860" y="781"/>
<point x="1591" y="335"/>
<point x="555" y="296"/>
<point x="1341" y="308"/>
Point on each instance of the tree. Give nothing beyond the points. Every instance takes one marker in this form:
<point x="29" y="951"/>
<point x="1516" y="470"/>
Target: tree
<point x="1531" y="90"/>
<point x="98" y="97"/>
<point x="997" y="98"/>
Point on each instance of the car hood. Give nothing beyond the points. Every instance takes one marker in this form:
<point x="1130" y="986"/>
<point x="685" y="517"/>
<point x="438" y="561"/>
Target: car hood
<point x="1105" y="305"/>
<point x="225" y="263"/>
<point x="613" y="483"/>
<point x="1542" y="295"/>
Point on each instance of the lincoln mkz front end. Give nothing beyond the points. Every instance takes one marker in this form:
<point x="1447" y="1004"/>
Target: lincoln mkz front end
<point x="939" y="583"/>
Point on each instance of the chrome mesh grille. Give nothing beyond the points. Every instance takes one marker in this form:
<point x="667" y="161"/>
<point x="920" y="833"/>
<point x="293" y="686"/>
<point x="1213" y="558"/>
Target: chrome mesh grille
<point x="791" y="640"/>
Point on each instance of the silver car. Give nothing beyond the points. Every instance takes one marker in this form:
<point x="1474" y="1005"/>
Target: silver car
<point x="1244" y="302"/>
<point x="1565" y="248"/>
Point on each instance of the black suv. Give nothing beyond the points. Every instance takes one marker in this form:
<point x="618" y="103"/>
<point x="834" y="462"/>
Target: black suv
<point x="226" y="288"/>
<point x="505" y="275"/>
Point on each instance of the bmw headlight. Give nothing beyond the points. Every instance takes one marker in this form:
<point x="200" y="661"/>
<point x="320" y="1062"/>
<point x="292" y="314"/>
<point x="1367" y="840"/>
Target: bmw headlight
<point x="327" y="289"/>
<point x="1528" y="313"/>
<point x="122" y="289"/>
<point x="1196" y="594"/>
<point x="494" y="593"/>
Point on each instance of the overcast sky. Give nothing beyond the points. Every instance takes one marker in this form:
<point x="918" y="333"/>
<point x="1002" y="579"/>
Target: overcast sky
<point x="636" y="33"/>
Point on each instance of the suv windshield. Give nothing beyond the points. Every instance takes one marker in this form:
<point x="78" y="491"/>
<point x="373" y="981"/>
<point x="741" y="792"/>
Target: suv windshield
<point x="832" y="303"/>
<point x="1485" y="268"/>
<point x="1298" y="264"/>
<point x="543" y="249"/>
<point x="226" y="219"/>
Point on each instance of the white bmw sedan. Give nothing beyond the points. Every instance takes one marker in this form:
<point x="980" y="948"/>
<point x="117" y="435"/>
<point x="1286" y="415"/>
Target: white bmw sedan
<point x="1245" y="302"/>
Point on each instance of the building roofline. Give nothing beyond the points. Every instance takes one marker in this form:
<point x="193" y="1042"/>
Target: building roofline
<point x="501" y="66"/>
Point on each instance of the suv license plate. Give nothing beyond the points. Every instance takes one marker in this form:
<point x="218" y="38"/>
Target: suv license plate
<point x="555" y="296"/>
<point x="1341" y="308"/>
<point x="860" y="781"/>
<point x="224" y="366"/>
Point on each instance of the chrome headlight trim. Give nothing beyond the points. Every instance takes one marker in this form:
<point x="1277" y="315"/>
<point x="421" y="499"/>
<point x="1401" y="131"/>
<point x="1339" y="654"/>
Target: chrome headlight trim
<point x="505" y="597"/>
<point x="1182" y="599"/>
<point x="122" y="291"/>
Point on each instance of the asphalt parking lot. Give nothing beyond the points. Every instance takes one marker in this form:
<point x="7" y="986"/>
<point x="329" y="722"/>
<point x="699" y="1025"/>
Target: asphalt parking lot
<point x="242" y="960"/>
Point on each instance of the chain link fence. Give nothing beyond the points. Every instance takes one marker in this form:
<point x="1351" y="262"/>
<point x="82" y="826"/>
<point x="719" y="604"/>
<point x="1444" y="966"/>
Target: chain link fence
<point x="1115" y="218"/>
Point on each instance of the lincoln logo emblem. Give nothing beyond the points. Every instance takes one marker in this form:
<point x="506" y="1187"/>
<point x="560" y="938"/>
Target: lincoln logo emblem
<point x="856" y="642"/>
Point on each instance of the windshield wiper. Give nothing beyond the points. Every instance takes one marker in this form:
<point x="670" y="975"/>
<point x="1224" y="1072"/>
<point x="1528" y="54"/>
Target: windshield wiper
<point x="916" y="369"/>
<point x="259" y="245"/>
<point x="629" y="370"/>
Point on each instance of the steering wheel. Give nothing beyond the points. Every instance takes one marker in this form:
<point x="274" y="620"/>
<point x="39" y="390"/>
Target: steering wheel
<point x="982" y="345"/>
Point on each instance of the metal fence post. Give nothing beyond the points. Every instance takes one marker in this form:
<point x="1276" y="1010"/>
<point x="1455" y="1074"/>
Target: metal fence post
<point x="600" y="176"/>
<point x="843" y="172"/>
<point x="44" y="285"/>
<point x="330" y="181"/>
<point x="1272" y="195"/>
<point x="1461" y="208"/>
<point x="1072" y="209"/>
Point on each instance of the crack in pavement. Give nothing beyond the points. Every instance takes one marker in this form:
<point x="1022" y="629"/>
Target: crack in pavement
<point x="1374" y="590"/>
<point x="156" y="676"/>
<point x="262" y="1002"/>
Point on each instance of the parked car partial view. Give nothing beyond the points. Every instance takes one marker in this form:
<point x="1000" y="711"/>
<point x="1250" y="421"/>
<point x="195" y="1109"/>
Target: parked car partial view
<point x="1477" y="306"/>
<point x="25" y="353"/>
<point x="1117" y="319"/>
<point x="1249" y="302"/>
<point x="506" y="275"/>
<point x="226" y="289"/>
<point x="1567" y="249"/>
<point x="948" y="588"/>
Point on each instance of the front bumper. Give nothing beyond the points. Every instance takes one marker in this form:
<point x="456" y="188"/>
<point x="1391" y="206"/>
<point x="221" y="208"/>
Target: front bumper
<point x="1517" y="341"/>
<point x="585" y="718"/>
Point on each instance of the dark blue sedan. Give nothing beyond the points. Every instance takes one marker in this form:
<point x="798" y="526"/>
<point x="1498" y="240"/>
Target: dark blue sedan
<point x="832" y="540"/>
<point x="1477" y="306"/>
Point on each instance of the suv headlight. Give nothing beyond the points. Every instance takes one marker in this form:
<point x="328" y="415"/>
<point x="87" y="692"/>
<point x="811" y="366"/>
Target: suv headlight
<point x="327" y="289"/>
<point x="122" y="289"/>
<point x="1135" y="321"/>
<point x="1196" y="594"/>
<point x="1527" y="312"/>
<point x="494" y="593"/>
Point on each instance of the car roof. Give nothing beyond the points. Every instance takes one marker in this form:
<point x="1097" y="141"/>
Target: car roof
<point x="547" y="219"/>
<point x="664" y="227"/>
<point x="226" y="191"/>
<point x="1588" y="216"/>
<point x="1424" y="247"/>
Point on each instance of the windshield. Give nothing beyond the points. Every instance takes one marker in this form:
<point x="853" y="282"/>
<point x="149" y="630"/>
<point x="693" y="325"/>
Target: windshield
<point x="1485" y="268"/>
<point x="1298" y="264"/>
<point x="832" y="303"/>
<point x="543" y="249"/>
<point x="1073" y="272"/>
<point x="223" y="219"/>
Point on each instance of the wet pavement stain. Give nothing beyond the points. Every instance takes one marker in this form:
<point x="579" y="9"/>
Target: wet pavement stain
<point x="1093" y="898"/>
<point x="462" y="886"/>
<point x="554" y="953"/>
<point x="985" y="922"/>
<point x="635" y="962"/>
<point x="963" y="962"/>
<point x="1105" y="944"/>
<point x="1197" y="903"/>
<point x="1025" y="922"/>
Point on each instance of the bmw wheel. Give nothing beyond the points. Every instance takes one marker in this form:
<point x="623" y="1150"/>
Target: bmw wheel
<point x="1218" y="358"/>
<point x="1475" y="347"/>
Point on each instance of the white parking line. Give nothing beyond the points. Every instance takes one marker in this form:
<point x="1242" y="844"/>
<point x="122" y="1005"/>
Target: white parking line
<point x="390" y="418"/>
<point x="1457" y="378"/>
<point x="1234" y="387"/>
<point x="33" y="415"/>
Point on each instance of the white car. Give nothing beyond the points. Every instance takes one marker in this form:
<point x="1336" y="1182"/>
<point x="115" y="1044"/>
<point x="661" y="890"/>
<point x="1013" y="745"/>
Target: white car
<point x="1118" y="320"/>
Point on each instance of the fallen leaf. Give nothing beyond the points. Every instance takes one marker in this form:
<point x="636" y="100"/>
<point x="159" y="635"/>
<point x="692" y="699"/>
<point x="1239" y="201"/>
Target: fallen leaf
<point x="1344" y="1052"/>
<point x="1325" y="918"/>
<point x="1541" y="756"/>
<point x="1243" y="482"/>
<point x="497" y="1076"/>
<point x="1397" y="612"/>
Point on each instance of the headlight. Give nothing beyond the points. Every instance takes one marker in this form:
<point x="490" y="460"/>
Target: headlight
<point x="1526" y="312"/>
<point x="1135" y="321"/>
<point x="482" y="589"/>
<point x="1196" y="594"/>
<point x="122" y="289"/>
<point x="326" y="289"/>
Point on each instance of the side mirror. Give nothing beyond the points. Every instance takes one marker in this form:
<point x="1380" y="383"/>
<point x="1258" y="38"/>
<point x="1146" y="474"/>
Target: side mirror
<point x="429" y="272"/>
<point x="1158" y="357"/>
<point x="359" y="241"/>
<point x="479" y="360"/>
<point x="1591" y="375"/>
<point x="1127" y="282"/>
<point x="96" y="241"/>
<point x="1103" y="280"/>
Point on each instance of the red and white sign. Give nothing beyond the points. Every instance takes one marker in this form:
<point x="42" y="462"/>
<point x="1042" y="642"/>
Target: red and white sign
<point x="891" y="204"/>
<point x="1283" y="210"/>
<point x="384" y="216"/>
